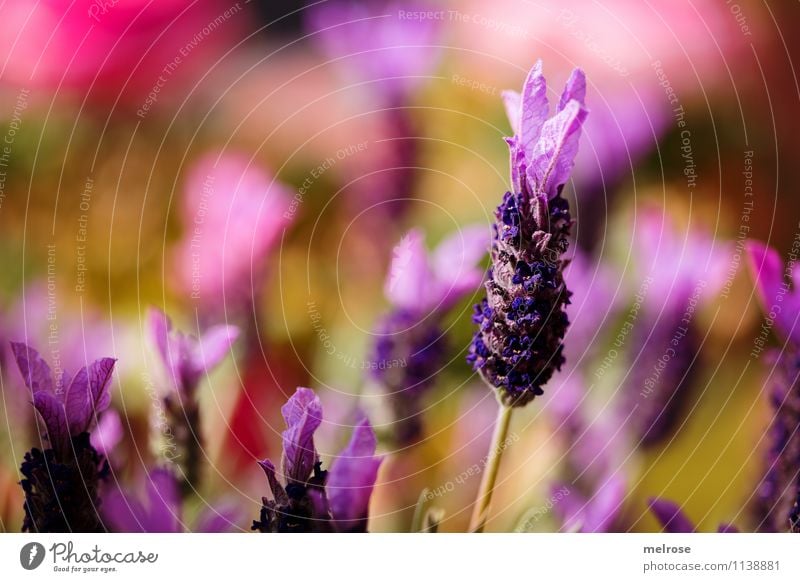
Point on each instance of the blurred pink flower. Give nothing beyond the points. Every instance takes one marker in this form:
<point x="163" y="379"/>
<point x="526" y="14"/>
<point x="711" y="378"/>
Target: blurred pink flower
<point x="113" y="49"/>
<point x="777" y="286"/>
<point x="233" y="214"/>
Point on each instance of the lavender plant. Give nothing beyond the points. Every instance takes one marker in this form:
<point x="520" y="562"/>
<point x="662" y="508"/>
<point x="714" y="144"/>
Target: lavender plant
<point x="312" y="499"/>
<point x="522" y="320"/>
<point x="61" y="482"/>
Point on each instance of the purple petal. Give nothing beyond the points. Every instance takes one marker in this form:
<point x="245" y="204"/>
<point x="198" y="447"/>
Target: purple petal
<point x="352" y="478"/>
<point x="107" y="433"/>
<point x="34" y="369"/>
<point x="534" y="110"/>
<point x="88" y="394"/>
<point x="52" y="412"/>
<point x="222" y="518"/>
<point x="671" y="516"/>
<point x="213" y="346"/>
<point x="160" y="327"/>
<point x="303" y="414"/>
<point x="455" y="263"/>
<point x="409" y="281"/>
<point x="278" y="492"/>
<point x="575" y="89"/>
<point x="78" y="403"/>
<point x="767" y="269"/>
<point x="159" y="512"/>
<point x="554" y="154"/>
<point x="605" y="505"/>
<point x="727" y="528"/>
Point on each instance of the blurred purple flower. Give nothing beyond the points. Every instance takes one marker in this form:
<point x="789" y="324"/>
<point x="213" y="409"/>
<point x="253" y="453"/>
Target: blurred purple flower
<point x="68" y="407"/>
<point x="160" y="511"/>
<point x="778" y="496"/>
<point x="679" y="273"/>
<point x="371" y="42"/>
<point x="522" y="322"/>
<point x="313" y="499"/>
<point x="187" y="359"/>
<point x="777" y="287"/>
<point x="597" y="513"/>
<point x="61" y="482"/>
<point x="107" y="433"/>
<point x="410" y="348"/>
<point x="674" y="520"/>
<point x="233" y="214"/>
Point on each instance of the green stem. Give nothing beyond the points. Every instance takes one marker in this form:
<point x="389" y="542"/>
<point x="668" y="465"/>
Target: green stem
<point x="480" y="513"/>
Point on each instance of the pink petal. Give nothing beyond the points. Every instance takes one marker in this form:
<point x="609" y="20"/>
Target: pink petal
<point x="456" y="263"/>
<point x="575" y="89"/>
<point x="410" y="278"/>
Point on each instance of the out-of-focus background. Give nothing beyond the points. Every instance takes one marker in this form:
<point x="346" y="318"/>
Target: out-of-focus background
<point x="256" y="162"/>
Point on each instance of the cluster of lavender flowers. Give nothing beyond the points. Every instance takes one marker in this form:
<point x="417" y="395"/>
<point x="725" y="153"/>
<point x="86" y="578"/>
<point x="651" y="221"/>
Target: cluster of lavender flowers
<point x="523" y="320"/>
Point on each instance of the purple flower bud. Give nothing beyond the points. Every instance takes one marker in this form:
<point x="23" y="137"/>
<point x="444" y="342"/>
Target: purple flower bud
<point x="313" y="500"/>
<point x="61" y="482"/>
<point x="352" y="478"/>
<point x="303" y="415"/>
<point x="186" y="358"/>
<point x="522" y="321"/>
<point x="671" y="516"/>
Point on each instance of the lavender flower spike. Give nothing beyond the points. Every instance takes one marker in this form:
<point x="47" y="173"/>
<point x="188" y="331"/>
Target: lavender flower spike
<point x="61" y="482"/>
<point x="187" y="359"/>
<point x="311" y="499"/>
<point x="518" y="345"/>
<point x="410" y="348"/>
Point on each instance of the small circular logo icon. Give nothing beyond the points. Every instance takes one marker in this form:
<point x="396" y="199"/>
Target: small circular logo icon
<point x="31" y="555"/>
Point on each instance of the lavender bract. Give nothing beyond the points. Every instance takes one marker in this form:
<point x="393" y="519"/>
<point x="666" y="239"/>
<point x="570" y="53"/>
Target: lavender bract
<point x="311" y="499"/>
<point x="410" y="348"/>
<point x="522" y="321"/>
<point x="61" y="482"/>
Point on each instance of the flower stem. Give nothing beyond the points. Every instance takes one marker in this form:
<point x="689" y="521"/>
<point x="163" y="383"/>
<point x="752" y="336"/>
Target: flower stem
<point x="481" y="511"/>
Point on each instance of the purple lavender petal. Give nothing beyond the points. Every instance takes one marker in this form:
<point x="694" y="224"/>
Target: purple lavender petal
<point x="52" y="412"/>
<point x="78" y="403"/>
<point x="107" y="433"/>
<point x="213" y="346"/>
<point x="671" y="516"/>
<point x="575" y="89"/>
<point x="409" y="280"/>
<point x="554" y="154"/>
<point x="604" y="507"/>
<point x="767" y="269"/>
<point x="455" y="263"/>
<point x="222" y="518"/>
<point x="352" y="478"/>
<point x="303" y="414"/>
<point x="278" y="492"/>
<point x="159" y="513"/>
<point x="34" y="369"/>
<point x="534" y="110"/>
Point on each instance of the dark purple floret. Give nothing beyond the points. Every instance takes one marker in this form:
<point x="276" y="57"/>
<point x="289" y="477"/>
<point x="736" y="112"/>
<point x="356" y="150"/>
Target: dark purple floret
<point x="779" y="491"/>
<point x="61" y="490"/>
